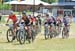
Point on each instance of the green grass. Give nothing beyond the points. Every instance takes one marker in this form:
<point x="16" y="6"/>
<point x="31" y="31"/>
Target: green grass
<point x="18" y="13"/>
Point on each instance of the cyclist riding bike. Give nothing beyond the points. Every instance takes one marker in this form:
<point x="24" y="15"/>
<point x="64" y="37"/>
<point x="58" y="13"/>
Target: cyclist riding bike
<point x="27" y="24"/>
<point x="13" y="17"/>
<point x="46" y="20"/>
<point x="66" y="21"/>
<point x="46" y="30"/>
<point x="51" y="23"/>
<point x="58" y="22"/>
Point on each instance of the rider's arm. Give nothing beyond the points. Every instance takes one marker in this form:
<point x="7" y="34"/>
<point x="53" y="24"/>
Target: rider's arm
<point x="8" y="19"/>
<point x="30" y="21"/>
<point x="20" y="19"/>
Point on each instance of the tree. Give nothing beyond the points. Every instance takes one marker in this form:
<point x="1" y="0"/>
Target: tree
<point x="5" y="6"/>
<point x="12" y="0"/>
<point x="7" y="0"/>
<point x="50" y="1"/>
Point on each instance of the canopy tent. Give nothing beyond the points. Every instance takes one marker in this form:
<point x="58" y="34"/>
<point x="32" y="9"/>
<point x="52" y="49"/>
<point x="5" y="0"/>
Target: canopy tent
<point x="63" y="4"/>
<point x="28" y="2"/>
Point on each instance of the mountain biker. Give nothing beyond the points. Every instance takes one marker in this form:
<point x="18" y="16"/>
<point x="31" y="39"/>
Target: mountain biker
<point x="46" y="29"/>
<point x="58" y="22"/>
<point x="13" y="17"/>
<point x="51" y="23"/>
<point x="27" y="23"/>
<point x="66" y="21"/>
<point x="39" y="22"/>
<point x="46" y="19"/>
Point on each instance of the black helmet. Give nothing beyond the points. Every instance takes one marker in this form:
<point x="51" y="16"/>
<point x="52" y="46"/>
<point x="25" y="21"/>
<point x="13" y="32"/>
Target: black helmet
<point x="24" y="12"/>
<point x="47" y="14"/>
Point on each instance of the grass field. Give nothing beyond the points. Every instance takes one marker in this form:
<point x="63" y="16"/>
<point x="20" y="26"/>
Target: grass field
<point x="55" y="44"/>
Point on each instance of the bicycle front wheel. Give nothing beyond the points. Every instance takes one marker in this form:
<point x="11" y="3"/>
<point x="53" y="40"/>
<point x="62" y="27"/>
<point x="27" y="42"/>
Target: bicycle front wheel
<point x="22" y="37"/>
<point x="9" y="35"/>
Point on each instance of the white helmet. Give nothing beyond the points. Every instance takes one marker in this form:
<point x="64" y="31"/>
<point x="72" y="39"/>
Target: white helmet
<point x="11" y="12"/>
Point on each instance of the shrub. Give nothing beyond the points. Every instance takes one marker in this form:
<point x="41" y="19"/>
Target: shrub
<point x="5" y="6"/>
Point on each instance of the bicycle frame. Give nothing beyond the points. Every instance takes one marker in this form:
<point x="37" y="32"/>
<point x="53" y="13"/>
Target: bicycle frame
<point x="21" y="27"/>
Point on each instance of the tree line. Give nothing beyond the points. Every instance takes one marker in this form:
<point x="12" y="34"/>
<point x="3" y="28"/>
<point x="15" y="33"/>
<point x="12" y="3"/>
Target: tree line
<point x="50" y="1"/>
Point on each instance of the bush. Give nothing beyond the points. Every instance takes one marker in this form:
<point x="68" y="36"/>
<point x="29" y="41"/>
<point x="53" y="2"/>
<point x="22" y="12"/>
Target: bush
<point x="5" y="6"/>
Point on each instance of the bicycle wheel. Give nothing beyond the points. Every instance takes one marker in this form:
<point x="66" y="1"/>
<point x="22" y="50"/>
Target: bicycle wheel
<point x="67" y="33"/>
<point x="63" y="34"/>
<point x="33" y="35"/>
<point x="28" y="38"/>
<point x="9" y="35"/>
<point x="55" y="33"/>
<point x="51" y="35"/>
<point x="46" y="36"/>
<point x="46" y="33"/>
<point x="17" y="35"/>
<point x="21" y="37"/>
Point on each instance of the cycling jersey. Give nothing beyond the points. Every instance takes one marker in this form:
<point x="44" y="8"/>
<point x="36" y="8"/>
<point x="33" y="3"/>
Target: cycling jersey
<point x="13" y="18"/>
<point x="66" y="20"/>
<point x="54" y="21"/>
<point x="50" y="21"/>
<point x="26" y="21"/>
<point x="46" y="20"/>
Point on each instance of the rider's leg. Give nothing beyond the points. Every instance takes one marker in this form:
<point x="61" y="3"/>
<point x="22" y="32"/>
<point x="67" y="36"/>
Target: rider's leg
<point x="29" y="32"/>
<point x="59" y="28"/>
<point x="14" y="31"/>
<point x="68" y="31"/>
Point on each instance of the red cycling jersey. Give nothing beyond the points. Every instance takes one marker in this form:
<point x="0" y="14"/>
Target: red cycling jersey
<point x="13" y="18"/>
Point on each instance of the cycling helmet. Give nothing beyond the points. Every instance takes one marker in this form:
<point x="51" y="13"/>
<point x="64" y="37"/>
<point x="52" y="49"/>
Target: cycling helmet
<point x="47" y="15"/>
<point x="11" y="12"/>
<point x="24" y="12"/>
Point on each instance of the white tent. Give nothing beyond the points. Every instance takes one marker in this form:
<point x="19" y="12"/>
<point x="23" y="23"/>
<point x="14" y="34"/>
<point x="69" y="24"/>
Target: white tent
<point x="28" y="2"/>
<point x="63" y="4"/>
